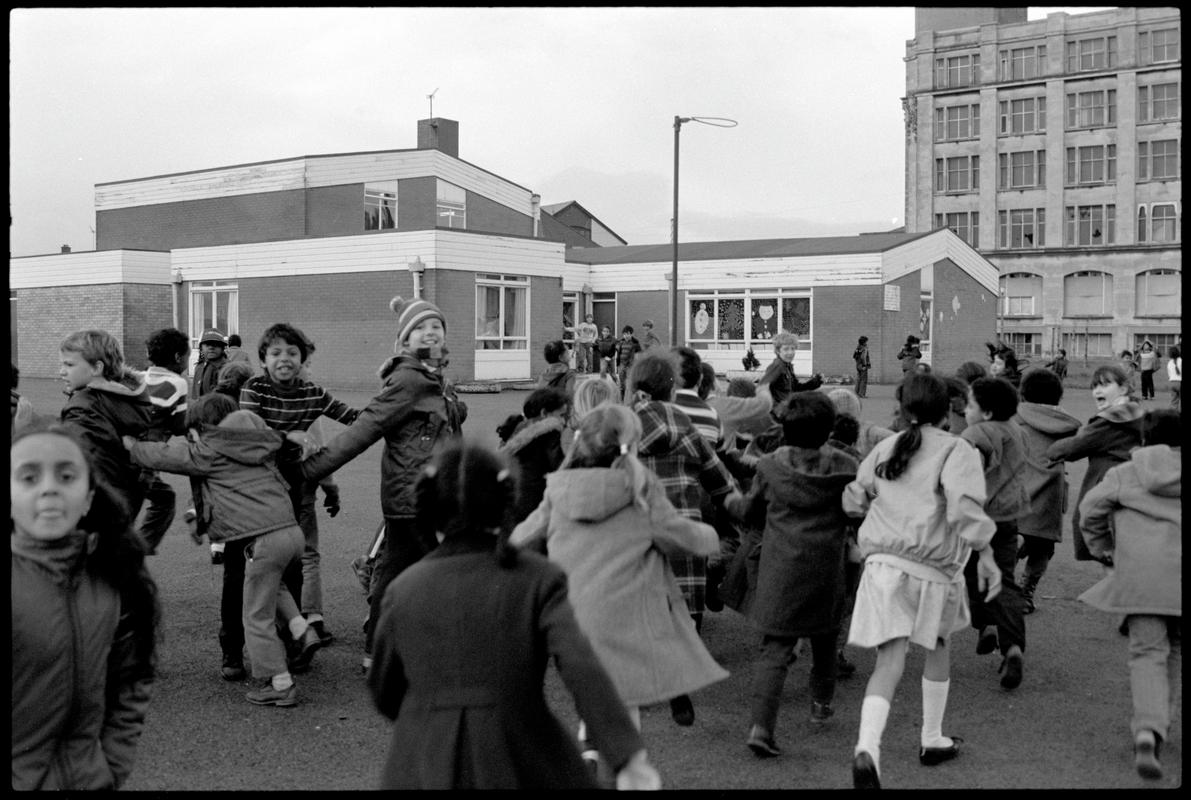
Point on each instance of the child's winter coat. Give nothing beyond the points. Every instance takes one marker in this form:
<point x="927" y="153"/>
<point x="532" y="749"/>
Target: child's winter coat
<point x="1041" y="426"/>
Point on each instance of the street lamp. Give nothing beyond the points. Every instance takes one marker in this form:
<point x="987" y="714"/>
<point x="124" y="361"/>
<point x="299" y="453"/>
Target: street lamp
<point x="416" y="269"/>
<point x="719" y="122"/>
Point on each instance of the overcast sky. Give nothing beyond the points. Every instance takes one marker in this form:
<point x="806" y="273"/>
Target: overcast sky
<point x="572" y="103"/>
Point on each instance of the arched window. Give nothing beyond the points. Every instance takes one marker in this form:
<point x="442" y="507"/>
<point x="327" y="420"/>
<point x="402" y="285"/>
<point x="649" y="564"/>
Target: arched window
<point x="1158" y="293"/>
<point x="1087" y="294"/>
<point x="1021" y="294"/>
<point x="1162" y="225"/>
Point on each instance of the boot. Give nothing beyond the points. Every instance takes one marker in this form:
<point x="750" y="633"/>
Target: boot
<point x="1028" y="585"/>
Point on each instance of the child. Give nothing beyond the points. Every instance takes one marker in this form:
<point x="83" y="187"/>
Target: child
<point x="22" y="409"/>
<point x="589" y="394"/>
<point x="844" y="436"/>
<point x="212" y="357"/>
<point x="1105" y="440"/>
<point x="289" y="403"/>
<point x="585" y="337"/>
<point x="606" y="352"/>
<point x="863" y="365"/>
<point x="649" y="339"/>
<point x="1133" y="519"/>
<point x="743" y="411"/>
<point x="848" y="403"/>
<point x="85" y="618"/>
<point x="795" y="495"/>
<point x="1174" y="375"/>
<point x="909" y="355"/>
<point x="1147" y="365"/>
<point x="1042" y="423"/>
<point x="536" y="445"/>
<point x="415" y="411"/>
<point x="481" y="721"/>
<point x="168" y="350"/>
<point x="627" y="349"/>
<point x="1058" y="364"/>
<point x="245" y="497"/>
<point x="922" y="495"/>
<point x="992" y="402"/>
<point x="1003" y="364"/>
<point x="106" y="402"/>
<point x="235" y="354"/>
<point x="557" y="374"/>
<point x="779" y="375"/>
<point x="1129" y="365"/>
<point x="606" y="521"/>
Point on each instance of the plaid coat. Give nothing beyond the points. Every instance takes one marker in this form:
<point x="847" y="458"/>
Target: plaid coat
<point x="688" y="468"/>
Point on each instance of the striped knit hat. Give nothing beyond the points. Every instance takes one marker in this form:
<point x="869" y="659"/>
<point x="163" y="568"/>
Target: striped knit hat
<point x="411" y="313"/>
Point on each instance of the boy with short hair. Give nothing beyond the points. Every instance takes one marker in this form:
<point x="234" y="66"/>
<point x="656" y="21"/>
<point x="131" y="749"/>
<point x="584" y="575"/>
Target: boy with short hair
<point x="648" y="338"/>
<point x="627" y="348"/>
<point x="212" y="357"/>
<point x="606" y="352"/>
<point x="290" y="404"/>
<point x="168" y="350"/>
<point x="779" y="375"/>
<point x="585" y="337"/>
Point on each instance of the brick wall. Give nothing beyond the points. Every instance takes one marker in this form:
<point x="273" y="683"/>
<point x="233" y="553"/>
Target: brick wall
<point x="633" y="308"/>
<point x="841" y="315"/>
<point x="964" y="318"/>
<point x="454" y="292"/>
<point x="147" y="309"/>
<point x="265" y="216"/>
<point x="545" y="320"/>
<point x="489" y="217"/>
<point x="895" y="327"/>
<point x="335" y="210"/>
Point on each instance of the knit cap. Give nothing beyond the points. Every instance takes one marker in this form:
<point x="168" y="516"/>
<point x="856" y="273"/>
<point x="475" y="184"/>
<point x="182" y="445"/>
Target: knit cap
<point x="410" y="314"/>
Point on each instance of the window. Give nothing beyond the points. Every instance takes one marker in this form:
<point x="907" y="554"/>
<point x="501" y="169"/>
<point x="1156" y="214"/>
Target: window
<point x="452" y="206"/>
<point x="1092" y="109"/>
<point x="1086" y="54"/>
<point x="1158" y="160"/>
<point x="380" y="207"/>
<point x="957" y="71"/>
<point x="1023" y="170"/>
<point x="1157" y="224"/>
<point x="1162" y="342"/>
<point x="213" y="304"/>
<point x="960" y="174"/>
<point x="730" y="319"/>
<point x="1159" y="294"/>
<point x="1027" y="115"/>
<point x="964" y="224"/>
<point x="1090" y="225"/>
<point x="957" y="122"/>
<point x="1024" y="344"/>
<point x="1088" y="345"/>
<point x="1158" y="102"/>
<point x="1158" y="46"/>
<point x="570" y="317"/>
<point x="1087" y="294"/>
<point x="1089" y="165"/>
<point x="1021" y="294"/>
<point x="925" y="321"/>
<point x="1021" y="227"/>
<point x="1022" y="63"/>
<point x="501" y="312"/>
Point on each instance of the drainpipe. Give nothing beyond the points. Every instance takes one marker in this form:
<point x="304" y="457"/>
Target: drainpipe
<point x="174" y="290"/>
<point x="535" y="202"/>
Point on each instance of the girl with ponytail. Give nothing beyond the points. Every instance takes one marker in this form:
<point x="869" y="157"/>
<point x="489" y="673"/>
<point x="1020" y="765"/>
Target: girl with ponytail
<point x="607" y="522"/>
<point x="921" y="493"/>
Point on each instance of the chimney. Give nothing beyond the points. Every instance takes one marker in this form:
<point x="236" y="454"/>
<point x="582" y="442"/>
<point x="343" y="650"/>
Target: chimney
<point x="65" y="248"/>
<point x="440" y="134"/>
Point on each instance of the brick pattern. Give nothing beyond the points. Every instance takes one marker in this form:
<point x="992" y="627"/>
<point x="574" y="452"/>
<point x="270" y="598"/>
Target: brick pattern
<point x="960" y="335"/>
<point x="840" y="315"/>
<point x="265" y="216"/>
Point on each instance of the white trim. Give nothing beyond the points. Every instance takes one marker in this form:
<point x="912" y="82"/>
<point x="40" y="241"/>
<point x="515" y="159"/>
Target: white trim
<point x="89" y="269"/>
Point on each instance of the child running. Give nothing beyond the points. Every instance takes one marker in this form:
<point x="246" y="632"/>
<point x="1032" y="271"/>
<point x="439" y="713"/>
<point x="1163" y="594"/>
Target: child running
<point x="922" y="495"/>
<point x="533" y="441"/>
<point x="1134" y="520"/>
<point x="606" y="521"/>
<point x="461" y="646"/>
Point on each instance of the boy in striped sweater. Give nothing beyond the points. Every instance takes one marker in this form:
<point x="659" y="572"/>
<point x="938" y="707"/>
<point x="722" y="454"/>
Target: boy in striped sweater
<point x="290" y="404"/>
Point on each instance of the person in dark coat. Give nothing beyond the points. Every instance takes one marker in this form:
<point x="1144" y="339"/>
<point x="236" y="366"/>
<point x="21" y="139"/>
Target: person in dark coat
<point x="797" y="495"/>
<point x="779" y="375"/>
<point x="535" y="444"/>
<point x="461" y="647"/>
<point x="212" y="357"/>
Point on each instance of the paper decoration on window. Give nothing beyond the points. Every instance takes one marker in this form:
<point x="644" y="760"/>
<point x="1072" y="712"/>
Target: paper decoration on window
<point x="893" y="298"/>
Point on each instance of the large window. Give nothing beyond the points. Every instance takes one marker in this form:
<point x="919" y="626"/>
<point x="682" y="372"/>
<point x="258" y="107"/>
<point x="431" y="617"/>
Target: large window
<point x="1162" y="342"/>
<point x="957" y="122"/>
<point x="964" y="224"/>
<point x="1092" y="109"/>
<point x="1158" y="160"/>
<point x="730" y="319"/>
<point x="1159" y="293"/>
<point x="1026" y="115"/>
<point x="955" y="72"/>
<point x="1159" y="45"/>
<point x="1088" y="345"/>
<point x="1022" y="63"/>
<point x="502" y="303"/>
<point x="1158" y="102"/>
<point x="213" y="304"/>
<point x="1021" y="294"/>
<point x="1091" y="165"/>
<point x="380" y="206"/>
<point x="960" y="174"/>
<point x="1087" y="294"/>
<point x="1022" y="170"/>
<point x="1024" y="344"/>
<point x="1021" y="227"/>
<point x="1087" y="54"/>
<point x="1090" y="225"/>
<point x="1157" y="223"/>
<point x="451" y="202"/>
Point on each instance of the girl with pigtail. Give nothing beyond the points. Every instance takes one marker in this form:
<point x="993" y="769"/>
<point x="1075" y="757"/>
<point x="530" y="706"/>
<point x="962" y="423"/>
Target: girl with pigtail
<point x="461" y="644"/>
<point x="921" y="493"/>
<point x="606" y="521"/>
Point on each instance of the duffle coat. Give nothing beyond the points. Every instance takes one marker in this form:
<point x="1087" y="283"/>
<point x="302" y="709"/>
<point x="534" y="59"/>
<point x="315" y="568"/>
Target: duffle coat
<point x="1046" y="482"/>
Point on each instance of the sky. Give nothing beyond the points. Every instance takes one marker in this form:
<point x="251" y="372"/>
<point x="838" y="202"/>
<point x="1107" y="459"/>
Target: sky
<point x="571" y="103"/>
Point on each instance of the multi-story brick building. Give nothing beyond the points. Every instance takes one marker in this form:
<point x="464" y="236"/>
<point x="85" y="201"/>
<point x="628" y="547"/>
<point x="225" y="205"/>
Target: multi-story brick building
<point x="1053" y="147"/>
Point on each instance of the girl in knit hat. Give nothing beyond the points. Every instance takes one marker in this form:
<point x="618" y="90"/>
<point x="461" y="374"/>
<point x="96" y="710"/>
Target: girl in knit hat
<point x="415" y="410"/>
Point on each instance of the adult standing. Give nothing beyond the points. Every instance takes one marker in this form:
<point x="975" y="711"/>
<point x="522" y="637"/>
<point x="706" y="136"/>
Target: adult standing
<point x="585" y="336"/>
<point x="863" y="364"/>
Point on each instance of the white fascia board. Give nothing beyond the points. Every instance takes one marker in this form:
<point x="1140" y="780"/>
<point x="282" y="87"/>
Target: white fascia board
<point x="89" y="268"/>
<point x="855" y="269"/>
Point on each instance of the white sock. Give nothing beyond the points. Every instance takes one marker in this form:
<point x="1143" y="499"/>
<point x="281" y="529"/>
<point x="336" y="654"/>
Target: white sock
<point x="282" y="682"/>
<point x="314" y="617"/>
<point x="874" y="712"/>
<point x="934" y="703"/>
<point x="297" y="627"/>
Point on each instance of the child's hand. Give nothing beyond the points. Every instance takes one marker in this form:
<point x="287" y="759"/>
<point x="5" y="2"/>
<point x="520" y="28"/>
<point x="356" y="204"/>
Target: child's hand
<point x="128" y="442"/>
<point x="331" y="502"/>
<point x="988" y="574"/>
<point x="308" y="443"/>
<point x="638" y="775"/>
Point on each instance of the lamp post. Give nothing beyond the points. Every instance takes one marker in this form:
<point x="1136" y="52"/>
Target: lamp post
<point x="720" y="122"/>
<point x="416" y="269"/>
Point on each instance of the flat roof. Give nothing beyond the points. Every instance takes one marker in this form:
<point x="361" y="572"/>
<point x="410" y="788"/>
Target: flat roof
<point x="745" y="248"/>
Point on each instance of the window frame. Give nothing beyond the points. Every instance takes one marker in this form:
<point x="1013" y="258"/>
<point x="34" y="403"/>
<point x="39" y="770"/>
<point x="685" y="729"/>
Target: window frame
<point x="1100" y="160"/>
<point x="964" y="224"/>
<point x="380" y="196"/>
<point x="1013" y="228"/>
<point x="1008" y="171"/>
<point x="1147" y="159"/>
<point x="1017" y="281"/>
<point x="1091" y="53"/>
<point x="1139" y="294"/>
<point x="949" y="71"/>
<point x="1147" y="45"/>
<point x="1032" y="59"/>
<point x="1092" y="109"/>
<point x="1106" y="289"/>
<point x="451" y="209"/>
<point x="1008" y="116"/>
<point x="949" y="169"/>
<point x="970" y="124"/>
<point x="1151" y="108"/>
<point x="748" y="298"/>
<point x="505" y="284"/>
<point x="1074" y="225"/>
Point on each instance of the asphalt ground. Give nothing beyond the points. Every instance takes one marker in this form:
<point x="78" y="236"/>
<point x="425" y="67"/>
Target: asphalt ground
<point x="1066" y="726"/>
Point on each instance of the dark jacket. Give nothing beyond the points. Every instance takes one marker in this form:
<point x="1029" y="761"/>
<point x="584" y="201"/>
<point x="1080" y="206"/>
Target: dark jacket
<point x="536" y="446"/>
<point x="783" y="383"/>
<point x="909" y="355"/>
<point x="626" y="351"/>
<point x="103" y="412"/>
<point x="206" y="375"/>
<point x="1003" y="454"/>
<point x="606" y="347"/>
<point x="797" y="496"/>
<point x="243" y="491"/>
<point x="79" y="693"/>
<point x="558" y="376"/>
<point x="1041" y="426"/>
<point x="479" y="719"/>
<point x="415" y="410"/>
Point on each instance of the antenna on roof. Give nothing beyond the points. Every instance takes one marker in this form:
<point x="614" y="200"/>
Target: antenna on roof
<point x="430" y="97"/>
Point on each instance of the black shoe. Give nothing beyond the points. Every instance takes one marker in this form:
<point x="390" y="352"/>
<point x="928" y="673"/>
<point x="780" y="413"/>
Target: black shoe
<point x="306" y="647"/>
<point x="1011" y="666"/>
<point x="987" y="642"/>
<point x="761" y="742"/>
<point x="843" y="667"/>
<point x="1145" y="755"/>
<point x="325" y="637"/>
<point x="864" y="772"/>
<point x="711" y="598"/>
<point x="932" y="756"/>
<point x="821" y="712"/>
<point x="233" y="668"/>
<point x="682" y="710"/>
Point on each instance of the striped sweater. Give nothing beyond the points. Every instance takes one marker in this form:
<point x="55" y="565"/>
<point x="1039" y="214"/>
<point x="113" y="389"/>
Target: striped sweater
<point x="292" y="408"/>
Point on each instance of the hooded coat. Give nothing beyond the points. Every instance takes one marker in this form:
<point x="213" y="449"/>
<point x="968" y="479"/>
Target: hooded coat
<point x="105" y="411"/>
<point x="1135" y="515"/>
<point x="625" y="595"/>
<point x="1105" y="441"/>
<point x="536" y="446"/>
<point x="1046" y="483"/>
<point x="1003" y="452"/>
<point x="796" y="495"/>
